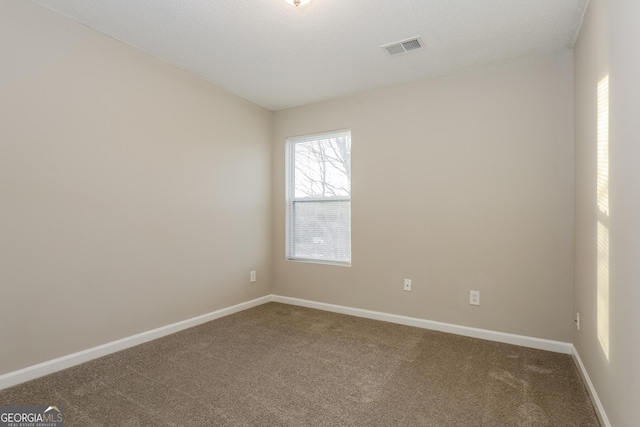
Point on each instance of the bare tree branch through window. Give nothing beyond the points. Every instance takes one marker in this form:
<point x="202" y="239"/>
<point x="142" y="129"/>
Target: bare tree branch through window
<point x="319" y="225"/>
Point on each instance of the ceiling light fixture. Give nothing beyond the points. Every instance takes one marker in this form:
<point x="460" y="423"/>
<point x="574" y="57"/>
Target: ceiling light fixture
<point x="297" y="2"/>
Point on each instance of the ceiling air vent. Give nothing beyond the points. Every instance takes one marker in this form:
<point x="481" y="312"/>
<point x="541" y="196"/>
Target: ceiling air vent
<point x="403" y="46"/>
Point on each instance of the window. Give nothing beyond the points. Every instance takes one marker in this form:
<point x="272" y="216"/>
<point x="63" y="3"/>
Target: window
<point x="319" y="198"/>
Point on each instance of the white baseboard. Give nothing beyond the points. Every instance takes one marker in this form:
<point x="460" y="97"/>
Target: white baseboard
<point x="602" y="415"/>
<point x="521" y="340"/>
<point x="32" y="372"/>
<point x="64" y="362"/>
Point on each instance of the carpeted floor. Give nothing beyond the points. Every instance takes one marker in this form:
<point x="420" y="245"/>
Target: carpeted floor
<point x="281" y="365"/>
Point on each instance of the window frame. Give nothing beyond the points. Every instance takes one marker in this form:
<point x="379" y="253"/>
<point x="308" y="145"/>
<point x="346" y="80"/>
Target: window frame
<point x="291" y="199"/>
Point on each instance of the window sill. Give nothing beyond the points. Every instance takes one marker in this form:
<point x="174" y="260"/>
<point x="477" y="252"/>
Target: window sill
<point x="321" y="261"/>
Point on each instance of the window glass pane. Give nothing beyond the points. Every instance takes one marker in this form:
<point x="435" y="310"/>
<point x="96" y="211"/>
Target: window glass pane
<point x="322" y="167"/>
<point x="319" y="198"/>
<point x="322" y="230"/>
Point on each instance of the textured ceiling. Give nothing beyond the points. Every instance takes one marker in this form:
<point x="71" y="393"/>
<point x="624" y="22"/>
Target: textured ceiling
<point x="280" y="56"/>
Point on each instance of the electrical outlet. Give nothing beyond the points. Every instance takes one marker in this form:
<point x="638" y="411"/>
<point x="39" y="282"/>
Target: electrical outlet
<point x="578" y="321"/>
<point x="407" y="284"/>
<point x="252" y="276"/>
<point x="474" y="297"/>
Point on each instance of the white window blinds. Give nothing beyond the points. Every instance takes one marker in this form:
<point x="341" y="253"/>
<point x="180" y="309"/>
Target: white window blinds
<point x="319" y="198"/>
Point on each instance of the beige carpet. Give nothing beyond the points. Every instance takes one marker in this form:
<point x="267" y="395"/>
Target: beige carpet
<point x="280" y="365"/>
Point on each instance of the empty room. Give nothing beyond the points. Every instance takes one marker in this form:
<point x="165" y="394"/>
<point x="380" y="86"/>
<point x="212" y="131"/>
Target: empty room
<point x="319" y="213"/>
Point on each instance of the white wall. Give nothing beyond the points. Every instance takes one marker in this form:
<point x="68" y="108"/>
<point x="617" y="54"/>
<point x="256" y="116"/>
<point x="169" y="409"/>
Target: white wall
<point x="462" y="182"/>
<point x="607" y="246"/>
<point x="132" y="194"/>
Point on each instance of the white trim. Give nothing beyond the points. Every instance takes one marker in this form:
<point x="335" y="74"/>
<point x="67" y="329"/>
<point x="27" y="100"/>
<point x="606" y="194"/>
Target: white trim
<point x="521" y="340"/>
<point x="291" y="199"/>
<point x="32" y="372"/>
<point x="320" y="199"/>
<point x="602" y="415"/>
<point x="64" y="362"/>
